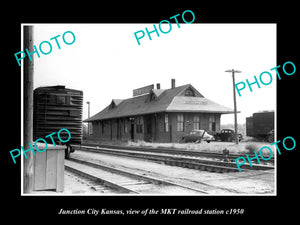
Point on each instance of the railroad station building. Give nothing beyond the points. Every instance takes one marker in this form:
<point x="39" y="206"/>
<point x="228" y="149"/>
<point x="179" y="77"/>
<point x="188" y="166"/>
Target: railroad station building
<point x="157" y="115"/>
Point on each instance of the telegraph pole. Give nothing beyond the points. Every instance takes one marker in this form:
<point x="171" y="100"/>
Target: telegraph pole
<point x="234" y="100"/>
<point x="88" y="117"/>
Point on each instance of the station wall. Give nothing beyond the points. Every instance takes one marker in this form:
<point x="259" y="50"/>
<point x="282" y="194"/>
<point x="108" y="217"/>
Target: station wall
<point x="158" y="127"/>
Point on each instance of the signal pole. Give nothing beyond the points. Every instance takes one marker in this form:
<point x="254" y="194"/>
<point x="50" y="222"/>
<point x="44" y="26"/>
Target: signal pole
<point x="234" y="100"/>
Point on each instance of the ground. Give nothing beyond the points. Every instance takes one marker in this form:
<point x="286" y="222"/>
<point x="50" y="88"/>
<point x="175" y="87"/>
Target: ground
<point x="256" y="182"/>
<point x="237" y="183"/>
<point x="253" y="182"/>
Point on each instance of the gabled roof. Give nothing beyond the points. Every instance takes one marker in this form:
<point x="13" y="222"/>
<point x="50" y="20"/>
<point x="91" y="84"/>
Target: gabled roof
<point x="169" y="100"/>
<point x="115" y="102"/>
<point x="192" y="104"/>
<point x="157" y="92"/>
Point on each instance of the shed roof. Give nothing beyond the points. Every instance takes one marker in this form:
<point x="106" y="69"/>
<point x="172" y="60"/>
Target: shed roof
<point x="168" y="100"/>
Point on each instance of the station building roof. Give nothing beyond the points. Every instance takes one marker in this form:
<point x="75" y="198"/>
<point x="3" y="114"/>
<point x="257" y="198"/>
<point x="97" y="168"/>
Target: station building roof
<point x="178" y="99"/>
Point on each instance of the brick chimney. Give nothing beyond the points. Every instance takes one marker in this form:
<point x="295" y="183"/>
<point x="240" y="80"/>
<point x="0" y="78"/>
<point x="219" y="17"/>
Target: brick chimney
<point x="158" y="86"/>
<point x="173" y="83"/>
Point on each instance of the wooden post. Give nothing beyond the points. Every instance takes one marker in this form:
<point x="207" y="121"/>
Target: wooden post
<point x="28" y="110"/>
<point x="235" y="109"/>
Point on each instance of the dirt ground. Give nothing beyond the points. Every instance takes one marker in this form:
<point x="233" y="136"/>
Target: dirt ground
<point x="235" y="183"/>
<point x="239" y="183"/>
<point x="256" y="182"/>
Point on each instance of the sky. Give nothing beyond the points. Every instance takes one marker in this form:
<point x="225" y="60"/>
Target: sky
<point x="106" y="62"/>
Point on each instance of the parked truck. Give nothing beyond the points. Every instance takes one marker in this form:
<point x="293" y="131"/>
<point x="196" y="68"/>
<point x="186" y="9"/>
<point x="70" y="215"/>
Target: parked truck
<point x="261" y="126"/>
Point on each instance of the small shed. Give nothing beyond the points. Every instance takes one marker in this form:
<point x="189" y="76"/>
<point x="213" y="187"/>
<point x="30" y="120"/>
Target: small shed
<point x="48" y="171"/>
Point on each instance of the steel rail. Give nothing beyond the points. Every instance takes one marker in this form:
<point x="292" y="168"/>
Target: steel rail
<point x="175" y="151"/>
<point x="180" y="160"/>
<point x="107" y="183"/>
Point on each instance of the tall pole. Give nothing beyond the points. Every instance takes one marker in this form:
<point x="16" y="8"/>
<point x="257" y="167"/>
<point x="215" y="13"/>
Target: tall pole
<point x="234" y="100"/>
<point x="88" y="116"/>
<point x="28" y="111"/>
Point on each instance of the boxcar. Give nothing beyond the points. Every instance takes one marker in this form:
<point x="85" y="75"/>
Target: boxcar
<point x="261" y="125"/>
<point x="57" y="107"/>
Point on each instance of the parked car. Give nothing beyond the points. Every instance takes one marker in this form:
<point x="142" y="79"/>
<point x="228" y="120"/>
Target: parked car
<point x="227" y="135"/>
<point x="197" y="136"/>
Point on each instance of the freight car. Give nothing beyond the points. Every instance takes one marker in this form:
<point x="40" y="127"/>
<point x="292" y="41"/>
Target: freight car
<point x="261" y="125"/>
<point x="54" y="108"/>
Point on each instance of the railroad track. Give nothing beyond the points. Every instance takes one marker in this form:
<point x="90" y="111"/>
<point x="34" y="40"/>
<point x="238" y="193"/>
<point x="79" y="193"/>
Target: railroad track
<point x="174" y="151"/>
<point x="124" y="181"/>
<point x="192" y="162"/>
<point x="86" y="185"/>
<point x="178" y="152"/>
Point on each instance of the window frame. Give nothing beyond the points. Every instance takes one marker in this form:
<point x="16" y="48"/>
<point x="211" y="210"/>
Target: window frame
<point x="196" y="122"/>
<point x="166" y="123"/>
<point x="180" y="122"/>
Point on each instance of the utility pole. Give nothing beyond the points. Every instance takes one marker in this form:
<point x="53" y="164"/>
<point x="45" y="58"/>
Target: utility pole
<point x="88" y="116"/>
<point x="28" y="110"/>
<point x="234" y="100"/>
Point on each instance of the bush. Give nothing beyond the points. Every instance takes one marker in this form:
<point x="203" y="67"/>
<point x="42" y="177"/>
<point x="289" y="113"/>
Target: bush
<point x="251" y="148"/>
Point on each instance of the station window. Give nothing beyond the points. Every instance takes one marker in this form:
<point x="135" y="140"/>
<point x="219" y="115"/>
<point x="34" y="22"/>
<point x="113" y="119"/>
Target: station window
<point x="212" y="123"/>
<point x="180" y="122"/>
<point x="196" y="122"/>
<point x="125" y="126"/>
<point x="139" y="124"/>
<point x="102" y="123"/>
<point x="166" y="123"/>
<point x="90" y="128"/>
